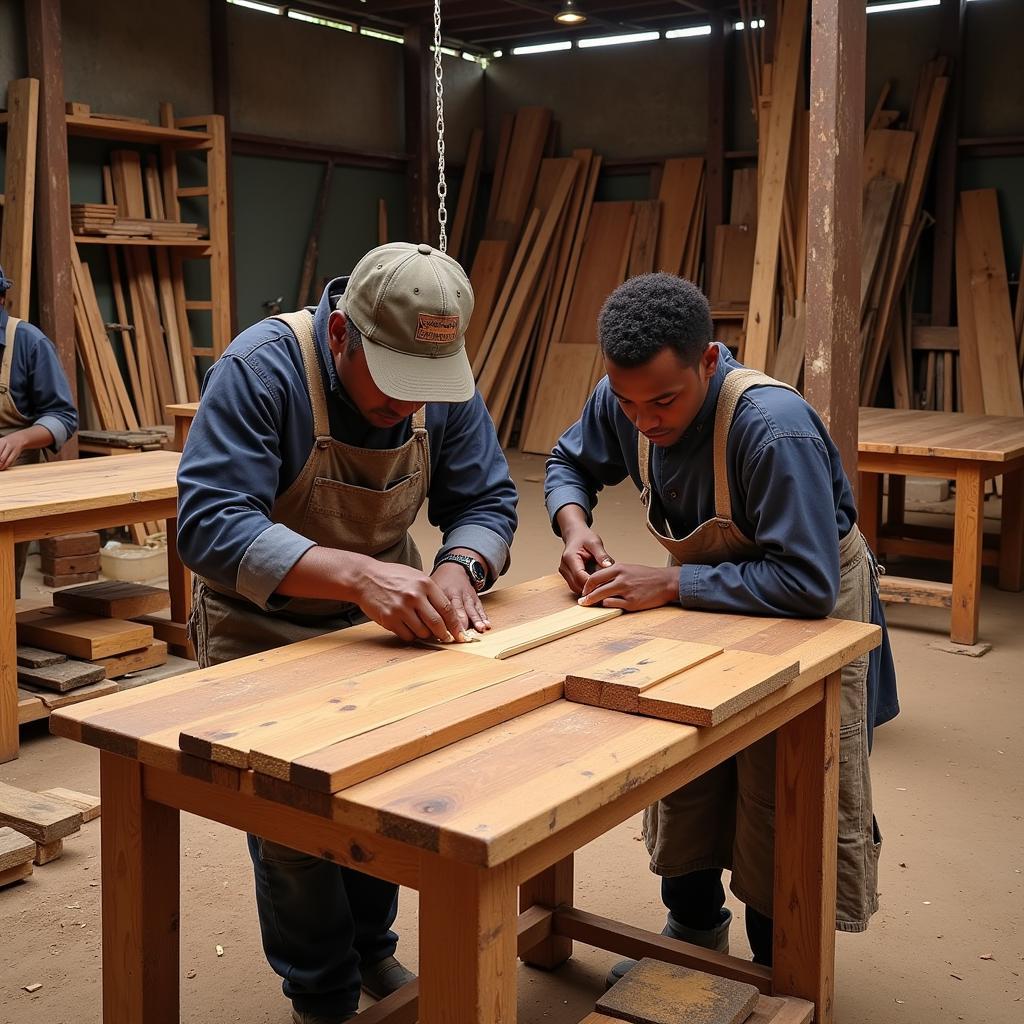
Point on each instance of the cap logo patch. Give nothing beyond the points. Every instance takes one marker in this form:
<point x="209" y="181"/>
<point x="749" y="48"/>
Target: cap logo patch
<point x="437" y="330"/>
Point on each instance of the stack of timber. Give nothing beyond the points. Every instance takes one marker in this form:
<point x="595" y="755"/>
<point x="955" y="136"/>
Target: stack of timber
<point x="39" y="817"/>
<point x="151" y="337"/>
<point x="103" y="219"/>
<point x="548" y="259"/>
<point x="69" y="559"/>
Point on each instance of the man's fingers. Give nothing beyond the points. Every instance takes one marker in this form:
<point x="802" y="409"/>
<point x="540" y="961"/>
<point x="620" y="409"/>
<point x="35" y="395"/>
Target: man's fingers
<point x="437" y="625"/>
<point x="615" y="602"/>
<point x="597" y="552"/>
<point x="477" y="614"/>
<point x="599" y="594"/>
<point x="599" y="579"/>
<point x="460" y="609"/>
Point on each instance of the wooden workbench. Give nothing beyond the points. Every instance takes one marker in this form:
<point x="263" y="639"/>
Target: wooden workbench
<point x="181" y="416"/>
<point x="68" y="497"/>
<point x="469" y="823"/>
<point x="953" y="446"/>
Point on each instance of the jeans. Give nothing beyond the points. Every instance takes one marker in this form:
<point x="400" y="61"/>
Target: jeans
<point x="319" y="921"/>
<point x="697" y="900"/>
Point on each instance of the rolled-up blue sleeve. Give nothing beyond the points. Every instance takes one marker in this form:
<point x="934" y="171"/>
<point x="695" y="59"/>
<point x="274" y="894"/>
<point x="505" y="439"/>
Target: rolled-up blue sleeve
<point x="472" y="498"/>
<point x="587" y="457"/>
<point x="227" y="483"/>
<point x="49" y="394"/>
<point x="789" y="500"/>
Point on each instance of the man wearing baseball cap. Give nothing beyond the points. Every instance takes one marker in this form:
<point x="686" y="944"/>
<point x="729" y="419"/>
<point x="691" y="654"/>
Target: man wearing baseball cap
<point x="36" y="410"/>
<point x="319" y="436"/>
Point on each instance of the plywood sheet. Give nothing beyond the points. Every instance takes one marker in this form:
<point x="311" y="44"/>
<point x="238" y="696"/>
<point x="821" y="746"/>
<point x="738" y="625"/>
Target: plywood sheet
<point x="679" y="190"/>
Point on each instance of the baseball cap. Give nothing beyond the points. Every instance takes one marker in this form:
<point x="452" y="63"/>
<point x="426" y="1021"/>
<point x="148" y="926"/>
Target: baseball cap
<point x="5" y="281"/>
<point x="412" y="304"/>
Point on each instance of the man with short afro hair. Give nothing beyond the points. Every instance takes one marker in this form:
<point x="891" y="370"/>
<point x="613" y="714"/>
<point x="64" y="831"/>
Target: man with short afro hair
<point x="777" y="536"/>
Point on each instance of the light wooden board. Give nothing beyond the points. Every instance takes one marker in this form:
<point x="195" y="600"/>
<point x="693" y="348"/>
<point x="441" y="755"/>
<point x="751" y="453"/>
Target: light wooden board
<point x="134" y="661"/>
<point x="19" y="191"/>
<point x="617" y="682"/>
<point x="505" y="643"/>
<point x="529" y="135"/>
<point x="716" y="689"/>
<point x="733" y="265"/>
<point x="774" y="171"/>
<point x="880" y="196"/>
<point x="659" y="993"/>
<point x="678" y="194"/>
<point x="41" y="818"/>
<point x="114" y="599"/>
<point x="467" y="193"/>
<point x="743" y="207"/>
<point x="15" y="874"/>
<point x="492" y="260"/>
<point x="789" y="356"/>
<point x="362" y="757"/>
<point x="15" y="849"/>
<point x="990" y="297"/>
<point x="81" y="636"/>
<point x="55" y="701"/>
<point x="972" y="394"/>
<point x="87" y="804"/>
<point x="645" y="237"/>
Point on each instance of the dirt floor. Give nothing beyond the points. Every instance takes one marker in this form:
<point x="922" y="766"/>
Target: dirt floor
<point x="947" y="944"/>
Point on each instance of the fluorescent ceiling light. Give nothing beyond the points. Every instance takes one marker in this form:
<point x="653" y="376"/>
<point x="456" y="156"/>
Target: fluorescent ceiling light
<point x="255" y="5"/>
<point x="635" y="37"/>
<point x="756" y="23"/>
<point x="901" y="5"/>
<point x="470" y="56"/>
<point x="542" y="48"/>
<point x="388" y="37"/>
<point x="499" y="53"/>
<point x="315" y="19"/>
<point x="693" y="30"/>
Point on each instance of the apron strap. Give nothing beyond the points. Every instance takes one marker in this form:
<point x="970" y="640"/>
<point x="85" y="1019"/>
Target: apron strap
<point x="8" y="360"/>
<point x="643" y="455"/>
<point x="736" y="383"/>
<point x="301" y="325"/>
<point x="419" y="418"/>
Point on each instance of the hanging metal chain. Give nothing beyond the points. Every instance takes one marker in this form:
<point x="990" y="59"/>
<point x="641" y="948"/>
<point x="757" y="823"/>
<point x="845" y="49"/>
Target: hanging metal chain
<point x="442" y="185"/>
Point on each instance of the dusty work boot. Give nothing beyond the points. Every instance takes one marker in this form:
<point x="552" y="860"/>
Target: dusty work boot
<point x="299" y="1017"/>
<point x="716" y="939"/>
<point x="384" y="977"/>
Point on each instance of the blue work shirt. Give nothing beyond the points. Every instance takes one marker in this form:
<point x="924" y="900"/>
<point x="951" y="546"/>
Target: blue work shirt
<point x="253" y="433"/>
<point x="39" y="388"/>
<point x="790" y="496"/>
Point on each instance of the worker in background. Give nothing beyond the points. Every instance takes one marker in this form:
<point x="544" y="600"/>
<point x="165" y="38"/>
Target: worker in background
<point x="36" y="410"/>
<point x="743" y="487"/>
<point x="311" y="454"/>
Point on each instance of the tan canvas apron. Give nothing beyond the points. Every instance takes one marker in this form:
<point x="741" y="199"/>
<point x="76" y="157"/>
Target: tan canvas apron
<point x="354" y="499"/>
<point x="10" y="421"/>
<point x="726" y="817"/>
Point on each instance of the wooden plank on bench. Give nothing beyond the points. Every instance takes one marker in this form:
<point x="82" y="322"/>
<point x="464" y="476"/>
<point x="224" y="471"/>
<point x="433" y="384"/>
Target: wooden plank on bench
<point x="902" y="590"/>
<point x="81" y="636"/>
<point x="114" y="599"/>
<point x="41" y="818"/>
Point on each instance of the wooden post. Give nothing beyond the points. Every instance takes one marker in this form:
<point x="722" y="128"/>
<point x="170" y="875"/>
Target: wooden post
<point x="719" y="116"/>
<point x="419" y="106"/>
<point x="139" y="843"/>
<point x="832" y="366"/>
<point x="952" y="45"/>
<point x="552" y="888"/>
<point x="53" y="211"/>
<point x="220" y="56"/>
<point x="8" y="643"/>
<point x="968" y="530"/>
<point x="806" y="838"/>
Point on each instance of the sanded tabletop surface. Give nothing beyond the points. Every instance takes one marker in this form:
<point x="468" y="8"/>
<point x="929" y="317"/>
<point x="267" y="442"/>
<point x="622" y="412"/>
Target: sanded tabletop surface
<point x="950" y="435"/>
<point x="490" y="796"/>
<point x="77" y="485"/>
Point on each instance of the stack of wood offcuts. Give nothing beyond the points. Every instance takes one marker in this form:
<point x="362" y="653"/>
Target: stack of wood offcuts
<point x="103" y="219"/>
<point x="69" y="559"/>
<point x="33" y="827"/>
<point x="78" y="648"/>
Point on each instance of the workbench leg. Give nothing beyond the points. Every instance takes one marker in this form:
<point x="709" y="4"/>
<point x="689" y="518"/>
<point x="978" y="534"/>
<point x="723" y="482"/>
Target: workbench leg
<point x="967" y="540"/>
<point x="896" y="505"/>
<point x="139" y="843"/>
<point x="179" y="583"/>
<point x="8" y="644"/>
<point x="869" y="507"/>
<point x="806" y="835"/>
<point x="1011" y="541"/>
<point x="468" y="926"/>
<point x="552" y="888"/>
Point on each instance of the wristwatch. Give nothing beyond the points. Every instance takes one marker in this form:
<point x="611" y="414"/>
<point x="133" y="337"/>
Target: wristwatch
<point x="475" y="570"/>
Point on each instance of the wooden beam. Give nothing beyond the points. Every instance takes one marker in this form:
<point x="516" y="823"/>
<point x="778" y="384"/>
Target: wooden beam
<point x="719" y="118"/>
<point x="53" y="213"/>
<point x="952" y="45"/>
<point x="419" y="95"/>
<point x="832" y="367"/>
<point x="220" y="59"/>
<point x="19" y="192"/>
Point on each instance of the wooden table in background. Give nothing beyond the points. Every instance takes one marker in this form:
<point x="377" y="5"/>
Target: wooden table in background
<point x="953" y="446"/>
<point x="68" y="497"/>
<point x="471" y="824"/>
<point x="181" y="416"/>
